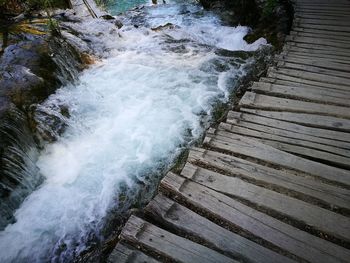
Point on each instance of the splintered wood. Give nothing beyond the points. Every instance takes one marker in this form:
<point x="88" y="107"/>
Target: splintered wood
<point x="272" y="182"/>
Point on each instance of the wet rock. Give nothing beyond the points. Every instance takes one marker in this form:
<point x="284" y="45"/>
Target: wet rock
<point x="32" y="67"/>
<point x="118" y="23"/>
<point x="166" y="26"/>
<point x="271" y="19"/>
<point x="107" y="17"/>
<point x="18" y="173"/>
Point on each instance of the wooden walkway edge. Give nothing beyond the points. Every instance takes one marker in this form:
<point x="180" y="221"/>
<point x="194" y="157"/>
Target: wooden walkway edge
<point x="272" y="182"/>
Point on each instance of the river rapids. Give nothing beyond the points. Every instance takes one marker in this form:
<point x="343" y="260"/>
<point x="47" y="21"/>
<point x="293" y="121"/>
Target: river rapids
<point x="125" y="121"/>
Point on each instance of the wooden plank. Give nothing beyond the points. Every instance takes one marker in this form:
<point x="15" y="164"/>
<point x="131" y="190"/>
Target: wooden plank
<point x="318" y="48"/>
<point x="312" y="94"/>
<point x="316" y="57"/>
<point x="338" y="39"/>
<point x="304" y="186"/>
<point x="338" y="23"/>
<point x="125" y="254"/>
<point x="343" y="29"/>
<point x="274" y="74"/>
<point x="302" y="47"/>
<point x="290" y="130"/>
<point x="315" y="62"/>
<point x="312" y="54"/>
<point x="249" y="147"/>
<point x="310" y="120"/>
<point x="319" y="151"/>
<point x="309" y="214"/>
<point x="288" y="145"/>
<point x="329" y="16"/>
<point x="259" y="101"/>
<point x="330" y="33"/>
<point x="318" y="41"/>
<point x="324" y="16"/>
<point x="170" y="213"/>
<point x="292" y="83"/>
<point x="315" y="4"/>
<point x="323" y="11"/>
<point x="314" y="69"/>
<point x="318" y="4"/>
<point x="140" y="232"/>
<point x="280" y="234"/>
<point x="306" y="21"/>
<point x="325" y="90"/>
<point x="309" y="78"/>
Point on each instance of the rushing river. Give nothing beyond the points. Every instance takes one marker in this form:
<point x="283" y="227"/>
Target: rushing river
<point x="130" y="115"/>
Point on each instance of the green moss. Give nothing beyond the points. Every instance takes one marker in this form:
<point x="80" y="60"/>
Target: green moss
<point x="34" y="4"/>
<point x="42" y="4"/>
<point x="270" y="5"/>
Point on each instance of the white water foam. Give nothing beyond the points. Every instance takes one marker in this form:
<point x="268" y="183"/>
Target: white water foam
<point x="129" y="115"/>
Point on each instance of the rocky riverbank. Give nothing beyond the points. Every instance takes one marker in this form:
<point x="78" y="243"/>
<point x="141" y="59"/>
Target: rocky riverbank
<point x="270" y="19"/>
<point x="38" y="57"/>
<point x="39" y="54"/>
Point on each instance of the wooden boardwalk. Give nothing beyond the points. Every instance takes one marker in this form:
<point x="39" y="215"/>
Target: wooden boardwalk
<point x="272" y="183"/>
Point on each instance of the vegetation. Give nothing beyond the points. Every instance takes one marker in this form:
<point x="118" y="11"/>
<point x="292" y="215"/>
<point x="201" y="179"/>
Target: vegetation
<point x="269" y="7"/>
<point x="19" y="6"/>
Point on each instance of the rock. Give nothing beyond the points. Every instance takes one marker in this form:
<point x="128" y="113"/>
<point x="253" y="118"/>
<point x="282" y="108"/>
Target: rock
<point x="88" y="59"/>
<point x="107" y="17"/>
<point x="118" y="23"/>
<point x="269" y="19"/>
<point x="166" y="26"/>
<point x="32" y="67"/>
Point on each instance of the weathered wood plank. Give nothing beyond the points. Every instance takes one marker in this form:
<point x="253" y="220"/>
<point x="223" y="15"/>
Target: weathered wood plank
<point x="330" y="153"/>
<point x="273" y="74"/>
<point x="335" y="38"/>
<point x="301" y="47"/>
<point x="124" y="254"/>
<point x="249" y="147"/>
<point x="316" y="57"/>
<point x="331" y="33"/>
<point x="264" y="102"/>
<point x="315" y="4"/>
<point x="289" y="130"/>
<point x="333" y="42"/>
<point x="315" y="62"/>
<point x="309" y="78"/>
<point x="310" y="120"/>
<point x="280" y="234"/>
<point x="288" y="145"/>
<point x="301" y="211"/>
<point x="317" y="48"/>
<point x="313" y="21"/>
<point x="325" y="17"/>
<point x="315" y="69"/>
<point x="325" y="2"/>
<point x="326" y="49"/>
<point x="304" y="186"/>
<point x="292" y="83"/>
<point x="170" y="213"/>
<point x="140" y="232"/>
<point x="324" y="11"/>
<point x="343" y="29"/>
<point x="320" y="95"/>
